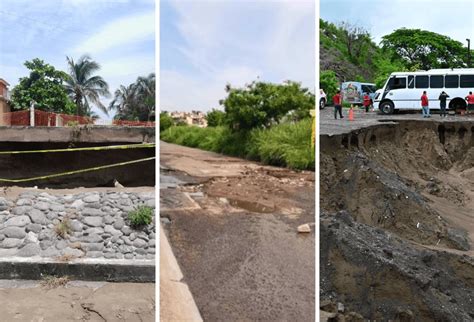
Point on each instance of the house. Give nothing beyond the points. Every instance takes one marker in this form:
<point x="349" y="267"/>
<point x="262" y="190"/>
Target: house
<point x="196" y="118"/>
<point x="4" y="97"/>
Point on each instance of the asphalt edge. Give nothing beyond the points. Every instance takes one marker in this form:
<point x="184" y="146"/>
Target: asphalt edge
<point x="176" y="300"/>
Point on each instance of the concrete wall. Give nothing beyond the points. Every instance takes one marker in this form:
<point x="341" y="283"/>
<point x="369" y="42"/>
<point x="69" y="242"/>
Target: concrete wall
<point x="92" y="134"/>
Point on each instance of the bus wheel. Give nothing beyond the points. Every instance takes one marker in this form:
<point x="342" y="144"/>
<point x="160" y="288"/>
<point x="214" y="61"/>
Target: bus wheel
<point x="387" y="108"/>
<point x="322" y="104"/>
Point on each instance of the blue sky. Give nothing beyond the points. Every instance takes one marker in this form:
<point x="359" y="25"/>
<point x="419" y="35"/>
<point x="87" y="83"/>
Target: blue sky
<point x="205" y="44"/>
<point x="119" y="34"/>
<point x="380" y="17"/>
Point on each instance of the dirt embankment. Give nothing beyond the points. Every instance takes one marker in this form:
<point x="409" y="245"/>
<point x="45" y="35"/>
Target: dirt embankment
<point x="413" y="182"/>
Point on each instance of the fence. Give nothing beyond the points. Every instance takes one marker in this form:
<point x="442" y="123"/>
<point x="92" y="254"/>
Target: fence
<point x="133" y="123"/>
<point x="41" y="118"/>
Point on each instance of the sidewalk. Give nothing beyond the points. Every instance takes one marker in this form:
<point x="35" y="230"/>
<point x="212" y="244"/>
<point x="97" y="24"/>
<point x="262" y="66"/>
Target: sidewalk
<point x="176" y="301"/>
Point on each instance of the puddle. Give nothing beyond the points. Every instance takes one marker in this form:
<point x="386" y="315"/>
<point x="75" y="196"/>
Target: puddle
<point x="250" y="206"/>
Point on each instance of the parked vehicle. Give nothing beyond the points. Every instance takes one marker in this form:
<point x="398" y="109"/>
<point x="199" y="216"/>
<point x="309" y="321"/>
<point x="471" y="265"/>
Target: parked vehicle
<point x="322" y="99"/>
<point x="402" y="90"/>
<point x="353" y="92"/>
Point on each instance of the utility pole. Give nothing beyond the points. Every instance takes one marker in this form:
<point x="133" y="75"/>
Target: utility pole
<point x="468" y="53"/>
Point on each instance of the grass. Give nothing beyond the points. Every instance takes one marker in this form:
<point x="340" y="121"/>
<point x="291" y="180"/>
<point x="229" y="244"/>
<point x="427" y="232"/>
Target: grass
<point x="286" y="145"/>
<point x="51" y="282"/>
<point x="63" y="228"/>
<point x="142" y="216"/>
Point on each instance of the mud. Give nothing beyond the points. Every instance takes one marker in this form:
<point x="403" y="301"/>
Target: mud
<point x="77" y="301"/>
<point x="414" y="182"/>
<point x="238" y="246"/>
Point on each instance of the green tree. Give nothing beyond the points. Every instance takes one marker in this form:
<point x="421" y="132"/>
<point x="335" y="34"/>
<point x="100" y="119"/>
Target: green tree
<point x="83" y="87"/>
<point x="261" y="104"/>
<point x="384" y="66"/>
<point x="165" y="121"/>
<point x="424" y="48"/>
<point x="215" y="118"/>
<point x="328" y="82"/>
<point x="135" y="101"/>
<point x="44" y="86"/>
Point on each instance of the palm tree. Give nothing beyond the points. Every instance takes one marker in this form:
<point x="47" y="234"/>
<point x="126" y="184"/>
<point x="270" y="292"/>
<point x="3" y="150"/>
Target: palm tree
<point x="136" y="101"/>
<point x="145" y="91"/>
<point x="124" y="101"/>
<point x="83" y="87"/>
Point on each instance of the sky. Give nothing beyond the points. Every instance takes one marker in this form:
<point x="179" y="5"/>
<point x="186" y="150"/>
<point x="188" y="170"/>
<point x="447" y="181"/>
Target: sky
<point x="205" y="44"/>
<point x="118" y="34"/>
<point x="381" y="17"/>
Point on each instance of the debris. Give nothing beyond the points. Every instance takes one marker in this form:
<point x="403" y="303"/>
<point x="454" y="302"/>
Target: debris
<point x="305" y="228"/>
<point x="418" y="225"/>
<point x="117" y="184"/>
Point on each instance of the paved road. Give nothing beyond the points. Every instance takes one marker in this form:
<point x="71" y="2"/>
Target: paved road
<point x="234" y="235"/>
<point x="330" y="126"/>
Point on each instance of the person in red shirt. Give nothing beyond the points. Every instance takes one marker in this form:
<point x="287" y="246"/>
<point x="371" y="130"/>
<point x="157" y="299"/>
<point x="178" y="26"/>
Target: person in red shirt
<point x="366" y="102"/>
<point x="470" y="102"/>
<point x="337" y="100"/>
<point x="424" y="105"/>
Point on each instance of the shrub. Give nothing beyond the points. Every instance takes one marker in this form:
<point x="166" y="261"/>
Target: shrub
<point x="63" y="228"/>
<point x="142" y="216"/>
<point x="287" y="144"/>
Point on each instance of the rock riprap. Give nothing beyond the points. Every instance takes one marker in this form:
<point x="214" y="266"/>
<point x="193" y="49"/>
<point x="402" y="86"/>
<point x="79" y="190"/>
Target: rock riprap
<point x="84" y="225"/>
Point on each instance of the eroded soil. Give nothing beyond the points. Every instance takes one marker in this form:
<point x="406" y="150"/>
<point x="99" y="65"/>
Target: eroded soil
<point x="413" y="183"/>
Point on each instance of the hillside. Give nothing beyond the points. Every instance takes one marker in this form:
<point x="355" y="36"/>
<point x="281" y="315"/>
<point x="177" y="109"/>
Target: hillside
<point x="348" y="51"/>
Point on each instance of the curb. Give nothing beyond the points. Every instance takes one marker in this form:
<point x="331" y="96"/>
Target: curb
<point x="176" y="301"/>
<point x="87" y="269"/>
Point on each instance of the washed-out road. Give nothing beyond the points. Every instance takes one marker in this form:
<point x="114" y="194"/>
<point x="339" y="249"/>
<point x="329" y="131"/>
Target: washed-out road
<point x="232" y="225"/>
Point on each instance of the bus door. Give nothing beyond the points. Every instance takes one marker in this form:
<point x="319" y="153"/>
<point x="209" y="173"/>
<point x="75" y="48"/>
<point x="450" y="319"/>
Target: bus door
<point x="397" y="92"/>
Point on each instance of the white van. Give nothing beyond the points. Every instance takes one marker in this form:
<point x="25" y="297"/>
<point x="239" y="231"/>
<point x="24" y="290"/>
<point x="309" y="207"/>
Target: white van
<point x="403" y="90"/>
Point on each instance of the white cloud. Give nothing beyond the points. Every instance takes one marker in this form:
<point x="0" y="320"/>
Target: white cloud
<point x="121" y="32"/>
<point x="236" y="42"/>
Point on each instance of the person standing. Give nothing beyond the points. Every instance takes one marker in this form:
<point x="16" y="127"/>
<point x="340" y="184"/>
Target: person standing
<point x="442" y="103"/>
<point x="470" y="102"/>
<point x="337" y="100"/>
<point x="366" y="102"/>
<point x="424" y="105"/>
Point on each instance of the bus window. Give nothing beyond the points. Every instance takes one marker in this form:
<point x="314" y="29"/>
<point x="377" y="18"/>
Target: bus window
<point x="368" y="89"/>
<point x="421" y="81"/>
<point x="398" y="82"/>
<point x="451" y="81"/>
<point x="436" y="81"/>
<point x="467" y="81"/>
<point x="411" y="81"/>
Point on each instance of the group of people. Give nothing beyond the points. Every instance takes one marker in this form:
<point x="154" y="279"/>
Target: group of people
<point x="442" y="103"/>
<point x="337" y="99"/>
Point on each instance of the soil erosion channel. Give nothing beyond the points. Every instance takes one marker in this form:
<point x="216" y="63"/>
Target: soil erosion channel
<point x="232" y="225"/>
<point x="397" y="222"/>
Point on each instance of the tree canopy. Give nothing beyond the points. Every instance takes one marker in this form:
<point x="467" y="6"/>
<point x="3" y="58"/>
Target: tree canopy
<point x="215" y="118"/>
<point x="84" y="87"/>
<point x="425" y="49"/>
<point x="135" y="102"/>
<point x="45" y="87"/>
<point x="261" y="104"/>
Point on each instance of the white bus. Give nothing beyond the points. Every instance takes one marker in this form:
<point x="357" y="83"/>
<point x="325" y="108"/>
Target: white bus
<point x="403" y="90"/>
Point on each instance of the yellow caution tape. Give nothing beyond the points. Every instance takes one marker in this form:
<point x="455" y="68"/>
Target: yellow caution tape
<point x="97" y="148"/>
<point x="77" y="171"/>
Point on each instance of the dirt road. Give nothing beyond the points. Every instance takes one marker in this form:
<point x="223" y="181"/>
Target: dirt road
<point x="77" y="301"/>
<point x="232" y="225"/>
